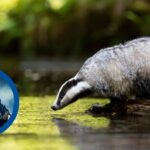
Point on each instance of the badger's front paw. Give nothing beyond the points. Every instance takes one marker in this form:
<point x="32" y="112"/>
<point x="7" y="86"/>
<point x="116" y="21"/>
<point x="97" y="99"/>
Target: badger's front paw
<point x="107" y="110"/>
<point x="99" y="109"/>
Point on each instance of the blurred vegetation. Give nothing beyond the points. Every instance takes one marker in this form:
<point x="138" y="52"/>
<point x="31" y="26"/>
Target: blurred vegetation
<point x="64" y="30"/>
<point x="69" y="28"/>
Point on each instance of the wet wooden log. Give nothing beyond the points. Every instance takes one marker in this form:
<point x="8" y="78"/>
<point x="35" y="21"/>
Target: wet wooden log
<point x="139" y="107"/>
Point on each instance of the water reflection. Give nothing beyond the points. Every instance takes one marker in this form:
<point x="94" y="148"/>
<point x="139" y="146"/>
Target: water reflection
<point x="130" y="132"/>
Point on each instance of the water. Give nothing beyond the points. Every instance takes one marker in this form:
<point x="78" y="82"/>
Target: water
<point x="44" y="77"/>
<point x="38" y="128"/>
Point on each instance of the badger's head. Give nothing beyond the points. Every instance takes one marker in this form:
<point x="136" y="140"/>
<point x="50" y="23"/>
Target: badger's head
<point x="70" y="91"/>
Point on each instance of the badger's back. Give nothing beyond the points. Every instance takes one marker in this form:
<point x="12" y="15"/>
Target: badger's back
<point x="120" y="70"/>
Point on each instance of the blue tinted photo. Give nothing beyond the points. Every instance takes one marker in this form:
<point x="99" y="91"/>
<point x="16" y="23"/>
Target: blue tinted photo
<point x="6" y="101"/>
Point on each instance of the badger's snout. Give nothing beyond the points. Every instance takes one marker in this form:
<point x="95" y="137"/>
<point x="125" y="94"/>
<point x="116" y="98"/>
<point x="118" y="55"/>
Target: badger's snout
<point x="55" y="107"/>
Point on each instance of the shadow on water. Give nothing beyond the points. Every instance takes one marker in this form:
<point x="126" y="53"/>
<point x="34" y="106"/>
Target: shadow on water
<point x="123" y="133"/>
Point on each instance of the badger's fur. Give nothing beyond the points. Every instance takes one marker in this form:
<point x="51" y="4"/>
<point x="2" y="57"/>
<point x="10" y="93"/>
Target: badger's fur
<point x="120" y="72"/>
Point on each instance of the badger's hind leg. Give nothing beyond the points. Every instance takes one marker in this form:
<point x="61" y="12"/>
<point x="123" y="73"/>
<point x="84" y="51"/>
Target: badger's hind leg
<point x="116" y="106"/>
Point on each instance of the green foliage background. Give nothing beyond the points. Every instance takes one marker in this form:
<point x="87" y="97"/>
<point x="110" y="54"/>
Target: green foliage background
<point x="69" y="28"/>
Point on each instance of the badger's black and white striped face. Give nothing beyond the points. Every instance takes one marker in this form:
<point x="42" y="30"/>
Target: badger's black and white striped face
<point x="70" y="91"/>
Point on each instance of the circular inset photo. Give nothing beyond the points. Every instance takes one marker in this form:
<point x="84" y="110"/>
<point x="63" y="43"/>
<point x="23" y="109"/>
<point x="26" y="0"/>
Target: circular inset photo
<point x="9" y="102"/>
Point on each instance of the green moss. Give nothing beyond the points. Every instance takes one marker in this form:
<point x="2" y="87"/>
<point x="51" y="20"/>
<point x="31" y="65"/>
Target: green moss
<point x="34" y="128"/>
<point x="75" y="113"/>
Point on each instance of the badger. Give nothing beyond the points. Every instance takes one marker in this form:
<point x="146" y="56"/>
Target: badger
<point x="119" y="73"/>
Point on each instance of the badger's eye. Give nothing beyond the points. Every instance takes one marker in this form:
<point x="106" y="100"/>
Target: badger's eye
<point x="73" y="82"/>
<point x="61" y="96"/>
